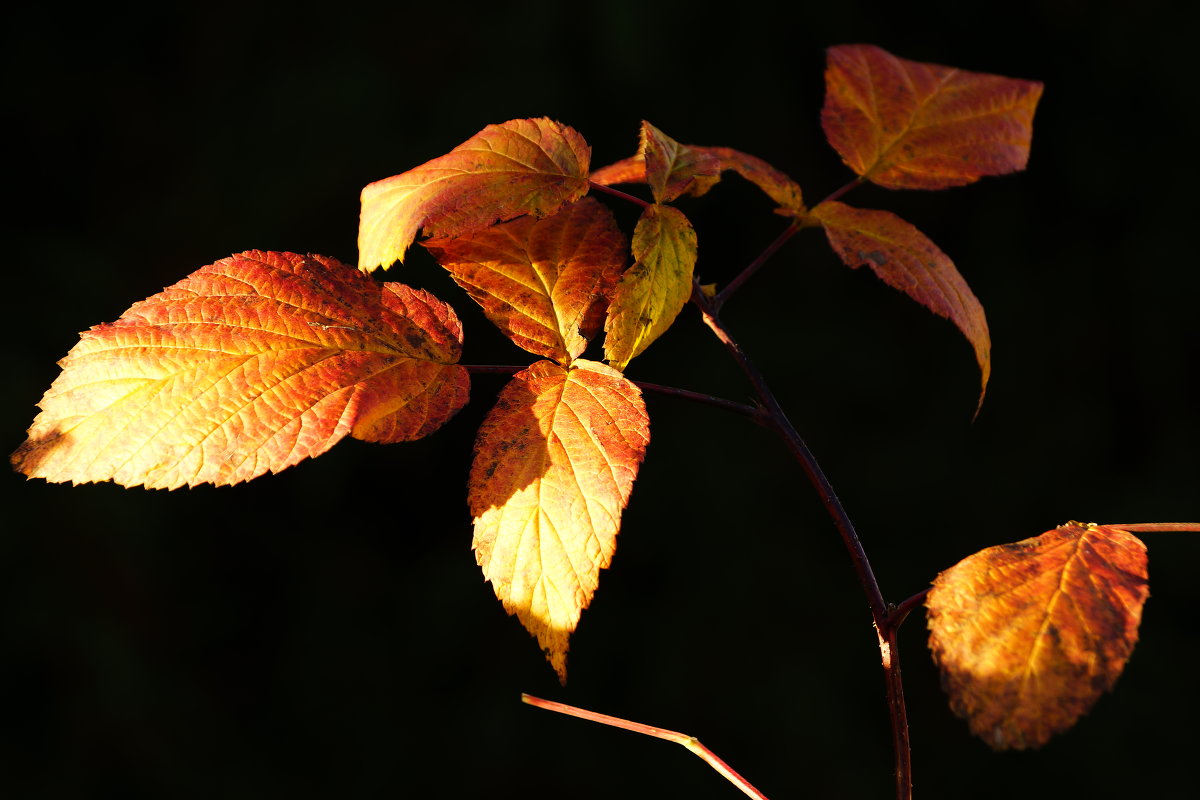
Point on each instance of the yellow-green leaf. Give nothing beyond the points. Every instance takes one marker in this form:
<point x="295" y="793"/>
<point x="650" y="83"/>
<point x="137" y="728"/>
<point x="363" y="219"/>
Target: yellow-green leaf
<point x="655" y="289"/>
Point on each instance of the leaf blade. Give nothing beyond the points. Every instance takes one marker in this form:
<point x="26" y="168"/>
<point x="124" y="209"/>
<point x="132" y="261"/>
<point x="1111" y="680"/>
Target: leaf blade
<point x="911" y="125"/>
<point x="523" y="166"/>
<point x="555" y="462"/>
<point x="655" y="289"/>
<point x="673" y="169"/>
<point x="775" y="184"/>
<point x="905" y="259"/>
<point x="545" y="282"/>
<point x="248" y="365"/>
<point x="1028" y="635"/>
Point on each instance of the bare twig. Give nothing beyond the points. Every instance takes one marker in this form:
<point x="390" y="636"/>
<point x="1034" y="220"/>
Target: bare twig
<point x="690" y="742"/>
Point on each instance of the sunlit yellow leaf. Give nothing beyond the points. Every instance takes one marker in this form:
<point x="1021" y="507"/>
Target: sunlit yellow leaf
<point x="555" y="462"/>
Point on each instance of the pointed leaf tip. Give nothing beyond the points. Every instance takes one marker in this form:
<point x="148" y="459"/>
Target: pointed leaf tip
<point x="909" y="125"/>
<point x="247" y="366"/>
<point x="1028" y="635"/>
<point x="523" y="166"/>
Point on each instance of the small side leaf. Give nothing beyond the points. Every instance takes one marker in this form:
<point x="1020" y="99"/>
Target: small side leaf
<point x="523" y="166"/>
<point x="775" y="184"/>
<point x="555" y="462"/>
<point x="908" y="125"/>
<point x="544" y="283"/>
<point x="655" y="289"/>
<point x="248" y="365"/>
<point x="673" y="168"/>
<point x="1028" y="635"/>
<point x="904" y="258"/>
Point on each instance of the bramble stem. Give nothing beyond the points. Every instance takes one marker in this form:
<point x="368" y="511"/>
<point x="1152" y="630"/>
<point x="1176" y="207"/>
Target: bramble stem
<point x="717" y="302"/>
<point x="690" y="742"/>
<point x="1158" y="527"/>
<point x="901" y="611"/>
<point x="884" y="627"/>
<point x="839" y="192"/>
<point x="618" y="193"/>
<point x="753" y="412"/>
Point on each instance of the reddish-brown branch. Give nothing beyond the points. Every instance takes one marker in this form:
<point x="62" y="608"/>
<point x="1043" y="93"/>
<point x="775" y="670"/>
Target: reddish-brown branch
<point x="1157" y="527"/>
<point x="862" y="565"/>
<point x="834" y="195"/>
<point x="618" y="193"/>
<point x="754" y="266"/>
<point x="901" y="611"/>
<point x="884" y="628"/>
<point x="690" y="742"/>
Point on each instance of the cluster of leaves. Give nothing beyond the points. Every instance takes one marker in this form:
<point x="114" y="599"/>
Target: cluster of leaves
<point x="263" y="359"/>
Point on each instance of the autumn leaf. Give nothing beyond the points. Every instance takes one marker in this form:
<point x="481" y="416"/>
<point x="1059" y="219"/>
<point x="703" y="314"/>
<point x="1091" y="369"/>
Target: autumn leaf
<point x="248" y="365"/>
<point x="673" y="168"/>
<point x="655" y="289"/>
<point x="555" y="461"/>
<point x="775" y="184"/>
<point x="904" y="258"/>
<point x="908" y="125"/>
<point x="523" y="166"/>
<point x="545" y="283"/>
<point x="1028" y="634"/>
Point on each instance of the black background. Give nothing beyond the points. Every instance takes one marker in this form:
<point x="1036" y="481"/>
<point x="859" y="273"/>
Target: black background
<point x="325" y="632"/>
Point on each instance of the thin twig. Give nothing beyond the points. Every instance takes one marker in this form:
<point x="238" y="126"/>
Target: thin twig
<point x="690" y="742"/>
<point x="1157" y="527"/>
<point x="754" y="412"/>
<point x="492" y="369"/>
<point x="901" y="610"/>
<point x="618" y="193"/>
<point x="836" y="194"/>
<point x="717" y="302"/>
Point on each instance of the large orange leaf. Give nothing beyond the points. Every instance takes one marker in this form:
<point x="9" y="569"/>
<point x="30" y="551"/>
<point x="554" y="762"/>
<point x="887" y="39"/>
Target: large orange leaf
<point x="1028" y="634"/>
<point x="246" y="366"/>
<point x="523" y="166"/>
<point x="904" y="258"/>
<point x="655" y="289"/>
<point x="554" y="465"/>
<point x="907" y="125"/>
<point x="775" y="184"/>
<point x="545" y="282"/>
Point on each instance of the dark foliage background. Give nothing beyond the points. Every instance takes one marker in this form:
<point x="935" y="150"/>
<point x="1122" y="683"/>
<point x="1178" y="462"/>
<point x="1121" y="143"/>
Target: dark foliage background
<point x="325" y="632"/>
